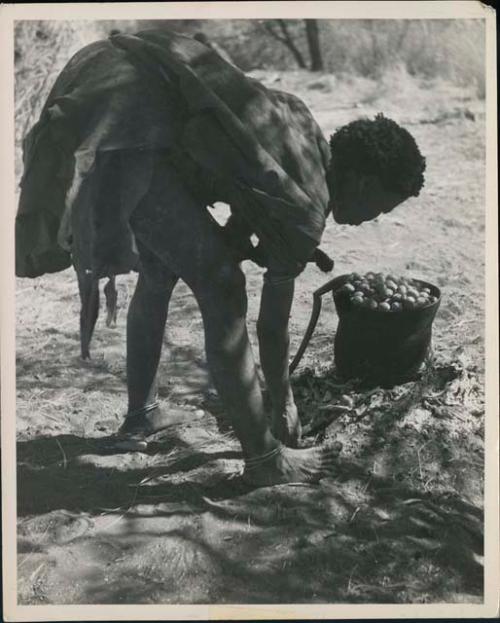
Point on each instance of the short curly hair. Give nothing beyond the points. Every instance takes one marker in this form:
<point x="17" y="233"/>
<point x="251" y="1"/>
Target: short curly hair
<point x="380" y="147"/>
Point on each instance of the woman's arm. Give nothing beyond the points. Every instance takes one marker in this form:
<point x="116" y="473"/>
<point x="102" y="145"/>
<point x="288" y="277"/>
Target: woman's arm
<point x="272" y="330"/>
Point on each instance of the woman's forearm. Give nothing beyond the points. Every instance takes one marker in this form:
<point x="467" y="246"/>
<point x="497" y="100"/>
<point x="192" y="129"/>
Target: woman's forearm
<point x="272" y="329"/>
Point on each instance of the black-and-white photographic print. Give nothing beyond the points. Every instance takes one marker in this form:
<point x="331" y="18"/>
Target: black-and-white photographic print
<point x="251" y="314"/>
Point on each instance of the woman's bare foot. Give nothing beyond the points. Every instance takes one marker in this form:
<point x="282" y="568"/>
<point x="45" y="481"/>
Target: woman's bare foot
<point x="289" y="465"/>
<point x="287" y="427"/>
<point x="133" y="433"/>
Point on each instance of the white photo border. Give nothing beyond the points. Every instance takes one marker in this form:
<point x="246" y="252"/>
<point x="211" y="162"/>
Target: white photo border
<point x="439" y="9"/>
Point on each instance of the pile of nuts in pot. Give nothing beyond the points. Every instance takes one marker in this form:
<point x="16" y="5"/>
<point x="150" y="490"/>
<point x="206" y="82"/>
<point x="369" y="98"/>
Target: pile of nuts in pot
<point x="386" y="293"/>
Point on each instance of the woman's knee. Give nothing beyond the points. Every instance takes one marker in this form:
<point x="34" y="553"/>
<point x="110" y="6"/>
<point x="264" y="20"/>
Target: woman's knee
<point x="154" y="276"/>
<point x="223" y="289"/>
<point x="224" y="307"/>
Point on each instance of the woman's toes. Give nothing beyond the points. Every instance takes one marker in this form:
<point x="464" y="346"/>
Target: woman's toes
<point x="330" y="455"/>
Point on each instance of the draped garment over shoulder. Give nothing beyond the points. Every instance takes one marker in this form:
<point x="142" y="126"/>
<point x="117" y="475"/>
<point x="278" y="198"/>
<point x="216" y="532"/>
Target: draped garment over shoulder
<point x="231" y="138"/>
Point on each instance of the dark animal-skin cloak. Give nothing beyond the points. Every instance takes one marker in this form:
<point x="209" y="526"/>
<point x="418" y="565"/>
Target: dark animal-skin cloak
<point x="230" y="138"/>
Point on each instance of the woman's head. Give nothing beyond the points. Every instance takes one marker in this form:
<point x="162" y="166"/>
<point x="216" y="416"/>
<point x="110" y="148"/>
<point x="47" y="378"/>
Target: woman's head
<point x="375" y="166"/>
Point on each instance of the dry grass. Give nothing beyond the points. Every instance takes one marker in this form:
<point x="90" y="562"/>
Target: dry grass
<point x="448" y="49"/>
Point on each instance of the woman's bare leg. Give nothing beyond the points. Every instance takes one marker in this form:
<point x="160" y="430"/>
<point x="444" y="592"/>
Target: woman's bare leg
<point x="146" y="319"/>
<point x="184" y="236"/>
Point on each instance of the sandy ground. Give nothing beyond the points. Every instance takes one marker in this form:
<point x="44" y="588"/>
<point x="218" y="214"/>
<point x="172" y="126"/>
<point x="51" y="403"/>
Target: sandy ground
<point x="402" y="520"/>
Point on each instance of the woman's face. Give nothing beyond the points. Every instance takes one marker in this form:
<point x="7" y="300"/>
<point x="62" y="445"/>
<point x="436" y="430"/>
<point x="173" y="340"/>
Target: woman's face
<point x="358" y="198"/>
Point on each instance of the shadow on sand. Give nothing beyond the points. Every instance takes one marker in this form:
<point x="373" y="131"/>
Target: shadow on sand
<point x="323" y="543"/>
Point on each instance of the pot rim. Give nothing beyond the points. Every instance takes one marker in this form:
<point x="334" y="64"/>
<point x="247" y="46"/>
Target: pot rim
<point x="342" y="279"/>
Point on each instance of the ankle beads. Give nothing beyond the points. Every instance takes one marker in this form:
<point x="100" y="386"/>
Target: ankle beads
<point x="257" y="461"/>
<point x="143" y="410"/>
